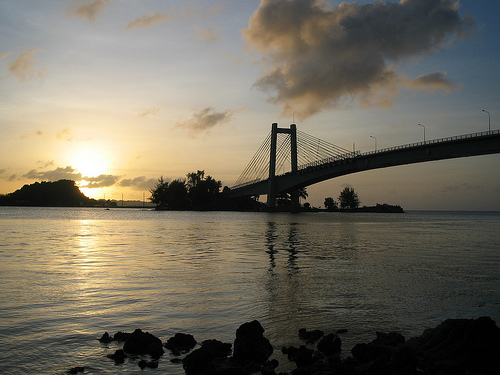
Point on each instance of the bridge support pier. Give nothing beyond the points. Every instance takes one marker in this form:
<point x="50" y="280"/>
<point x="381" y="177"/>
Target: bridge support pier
<point x="272" y="190"/>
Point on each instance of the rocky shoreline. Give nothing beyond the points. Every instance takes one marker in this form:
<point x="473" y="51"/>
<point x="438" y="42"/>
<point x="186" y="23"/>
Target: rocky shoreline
<point x="456" y="346"/>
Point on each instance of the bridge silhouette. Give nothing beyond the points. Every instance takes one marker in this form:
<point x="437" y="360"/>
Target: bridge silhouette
<point x="289" y="160"/>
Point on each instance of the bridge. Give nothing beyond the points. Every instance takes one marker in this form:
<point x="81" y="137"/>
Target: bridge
<point x="289" y="160"/>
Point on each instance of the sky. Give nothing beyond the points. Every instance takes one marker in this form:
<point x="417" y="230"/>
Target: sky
<point x="116" y="93"/>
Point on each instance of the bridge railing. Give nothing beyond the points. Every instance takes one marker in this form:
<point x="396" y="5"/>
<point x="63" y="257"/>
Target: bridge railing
<point x="354" y="154"/>
<point x="439" y="140"/>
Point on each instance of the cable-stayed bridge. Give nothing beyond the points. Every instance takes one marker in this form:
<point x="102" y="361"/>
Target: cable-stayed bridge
<point x="289" y="160"/>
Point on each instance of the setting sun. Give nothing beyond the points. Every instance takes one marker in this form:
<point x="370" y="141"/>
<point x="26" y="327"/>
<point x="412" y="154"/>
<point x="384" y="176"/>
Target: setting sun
<point x="90" y="161"/>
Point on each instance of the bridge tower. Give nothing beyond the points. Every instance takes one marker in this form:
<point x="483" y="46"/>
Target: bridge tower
<point x="271" y="187"/>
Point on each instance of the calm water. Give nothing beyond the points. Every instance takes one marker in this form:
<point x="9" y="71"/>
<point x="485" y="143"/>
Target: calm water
<point x="68" y="275"/>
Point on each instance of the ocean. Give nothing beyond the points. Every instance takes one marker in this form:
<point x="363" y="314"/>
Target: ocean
<point x="67" y="275"/>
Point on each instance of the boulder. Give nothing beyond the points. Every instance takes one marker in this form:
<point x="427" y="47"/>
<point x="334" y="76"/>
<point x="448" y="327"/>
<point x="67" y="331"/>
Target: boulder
<point x="310" y="336"/>
<point x="250" y="345"/>
<point x="180" y="343"/>
<point x="198" y="361"/>
<point x="143" y="343"/>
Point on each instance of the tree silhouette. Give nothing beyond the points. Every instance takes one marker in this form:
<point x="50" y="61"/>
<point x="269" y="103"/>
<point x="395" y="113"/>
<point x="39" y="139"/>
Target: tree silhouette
<point x="330" y="204"/>
<point x="348" y="198"/>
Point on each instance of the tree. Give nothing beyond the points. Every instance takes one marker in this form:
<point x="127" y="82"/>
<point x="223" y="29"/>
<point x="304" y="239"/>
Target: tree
<point x="203" y="192"/>
<point x="171" y="195"/>
<point x="330" y="204"/>
<point x="348" y="198"/>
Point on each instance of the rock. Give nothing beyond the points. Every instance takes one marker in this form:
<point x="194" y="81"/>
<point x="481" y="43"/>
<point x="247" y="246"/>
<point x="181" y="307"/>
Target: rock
<point x="310" y="336"/>
<point x="302" y="356"/>
<point x="200" y="359"/>
<point x="144" y="343"/>
<point x="330" y="344"/>
<point x="118" y="356"/>
<point x="106" y="338"/>
<point x="143" y="364"/>
<point x="250" y="344"/>
<point x="76" y="370"/>
<point x="459" y="346"/>
<point x="181" y="342"/>
<point x="341" y="331"/>
<point x="121" y="336"/>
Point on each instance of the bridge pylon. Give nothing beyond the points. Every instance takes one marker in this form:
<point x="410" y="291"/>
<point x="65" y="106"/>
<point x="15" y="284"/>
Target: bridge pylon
<point x="271" y="186"/>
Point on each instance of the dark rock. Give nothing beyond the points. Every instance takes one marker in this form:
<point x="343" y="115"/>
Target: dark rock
<point x="143" y="364"/>
<point x="269" y="367"/>
<point x="302" y="356"/>
<point x="181" y="342"/>
<point x="176" y="360"/>
<point x="143" y="343"/>
<point x="330" y="344"/>
<point x="341" y="331"/>
<point x="121" y="336"/>
<point x="250" y="344"/>
<point x="459" y="346"/>
<point x="118" y="356"/>
<point x="199" y="360"/>
<point x="310" y="336"/>
<point x="106" y="338"/>
<point x="390" y="339"/>
<point x="76" y="370"/>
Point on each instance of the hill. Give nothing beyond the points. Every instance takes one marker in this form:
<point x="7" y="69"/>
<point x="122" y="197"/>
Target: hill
<point x="62" y="193"/>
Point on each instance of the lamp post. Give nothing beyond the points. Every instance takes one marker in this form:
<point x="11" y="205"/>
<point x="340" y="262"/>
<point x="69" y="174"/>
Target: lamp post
<point x="371" y="136"/>
<point x="489" y="120"/>
<point x="424" y="130"/>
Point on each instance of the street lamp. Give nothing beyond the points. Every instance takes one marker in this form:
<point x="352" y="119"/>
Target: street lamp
<point x="489" y="120"/>
<point x="424" y="130"/>
<point x="371" y="136"/>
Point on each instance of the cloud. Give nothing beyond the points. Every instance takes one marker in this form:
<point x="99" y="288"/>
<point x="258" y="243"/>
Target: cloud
<point x="24" y="68"/>
<point x="90" y="9"/>
<point x="103" y="180"/>
<point x="464" y="187"/>
<point x="208" y="34"/>
<point x="65" y="134"/>
<point x="321" y="57"/>
<point x="38" y="133"/>
<point x="67" y="173"/>
<point x="138" y="183"/>
<point x="147" y="21"/>
<point x="4" y="55"/>
<point x="431" y="82"/>
<point x="150" y="112"/>
<point x="12" y="178"/>
<point x="207" y="119"/>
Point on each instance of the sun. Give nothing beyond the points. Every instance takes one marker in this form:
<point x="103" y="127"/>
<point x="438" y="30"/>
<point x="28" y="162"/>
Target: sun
<point x="90" y="161"/>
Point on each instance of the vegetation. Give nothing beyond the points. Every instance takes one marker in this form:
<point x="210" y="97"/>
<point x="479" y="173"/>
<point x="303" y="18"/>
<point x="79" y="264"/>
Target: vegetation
<point x="59" y="193"/>
<point x="197" y="192"/>
<point x="285" y="199"/>
<point x="348" y="198"/>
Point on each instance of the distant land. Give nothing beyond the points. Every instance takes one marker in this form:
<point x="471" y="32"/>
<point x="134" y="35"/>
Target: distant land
<point x="62" y="193"/>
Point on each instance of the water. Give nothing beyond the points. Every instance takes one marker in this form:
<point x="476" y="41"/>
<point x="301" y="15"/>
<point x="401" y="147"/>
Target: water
<point x="68" y="275"/>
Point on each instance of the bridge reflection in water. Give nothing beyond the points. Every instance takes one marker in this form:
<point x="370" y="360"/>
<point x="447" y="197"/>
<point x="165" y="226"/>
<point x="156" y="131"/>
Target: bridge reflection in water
<point x="313" y="160"/>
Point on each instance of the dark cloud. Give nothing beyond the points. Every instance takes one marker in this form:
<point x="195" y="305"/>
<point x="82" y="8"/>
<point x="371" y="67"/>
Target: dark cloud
<point x="12" y="178"/>
<point x="207" y="119"/>
<point x="322" y="56"/>
<point x="103" y="180"/>
<point x="138" y="183"/>
<point x="67" y="173"/>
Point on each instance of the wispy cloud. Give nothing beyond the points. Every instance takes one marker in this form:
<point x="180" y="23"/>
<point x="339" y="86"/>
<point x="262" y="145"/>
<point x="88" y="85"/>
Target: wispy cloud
<point x="65" y="134"/>
<point x="208" y="34"/>
<point x="150" y="112"/>
<point x="25" y="67"/>
<point x="432" y="82"/>
<point x="206" y="119"/>
<point x="38" y="133"/>
<point x="321" y="56"/>
<point x="89" y="9"/>
<point x="4" y="55"/>
<point x="147" y="21"/>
